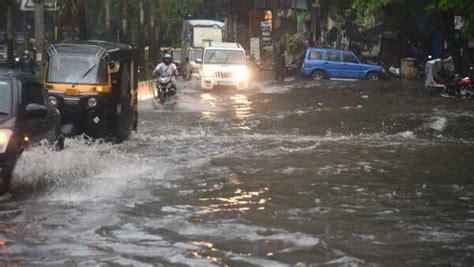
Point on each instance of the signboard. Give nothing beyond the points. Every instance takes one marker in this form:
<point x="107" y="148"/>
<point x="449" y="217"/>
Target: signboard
<point x="458" y="23"/>
<point x="29" y="5"/>
<point x="255" y="49"/>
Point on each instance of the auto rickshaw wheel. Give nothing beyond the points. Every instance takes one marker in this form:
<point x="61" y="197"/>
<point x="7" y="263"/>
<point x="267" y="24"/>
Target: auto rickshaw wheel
<point x="123" y="112"/>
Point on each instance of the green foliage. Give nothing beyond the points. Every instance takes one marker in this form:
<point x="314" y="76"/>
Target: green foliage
<point x="464" y="8"/>
<point x="304" y="17"/>
<point x="297" y="44"/>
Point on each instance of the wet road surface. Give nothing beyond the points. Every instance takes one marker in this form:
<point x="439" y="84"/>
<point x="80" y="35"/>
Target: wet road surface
<point x="337" y="174"/>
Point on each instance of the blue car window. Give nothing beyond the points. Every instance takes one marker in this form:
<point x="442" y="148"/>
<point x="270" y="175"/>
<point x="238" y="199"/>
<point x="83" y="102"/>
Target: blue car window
<point x="350" y="58"/>
<point x="334" y="56"/>
<point x="316" y="55"/>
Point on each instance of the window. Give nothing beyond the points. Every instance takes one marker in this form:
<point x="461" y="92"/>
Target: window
<point x="350" y="58"/>
<point x="195" y="54"/>
<point x="334" y="56"/>
<point x="32" y="93"/>
<point x="232" y="57"/>
<point x="77" y="69"/>
<point x="316" y="55"/>
<point x="5" y="97"/>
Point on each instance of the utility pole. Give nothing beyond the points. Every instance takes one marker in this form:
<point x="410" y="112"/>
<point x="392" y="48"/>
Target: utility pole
<point x="82" y="19"/>
<point x="10" y="32"/>
<point x="39" y="29"/>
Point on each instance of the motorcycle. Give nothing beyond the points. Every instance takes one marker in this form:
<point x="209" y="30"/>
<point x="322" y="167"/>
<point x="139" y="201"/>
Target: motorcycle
<point x="165" y="88"/>
<point x="456" y="87"/>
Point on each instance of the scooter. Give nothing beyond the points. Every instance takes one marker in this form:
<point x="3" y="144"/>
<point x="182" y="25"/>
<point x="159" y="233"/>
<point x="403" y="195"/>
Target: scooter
<point x="165" y="88"/>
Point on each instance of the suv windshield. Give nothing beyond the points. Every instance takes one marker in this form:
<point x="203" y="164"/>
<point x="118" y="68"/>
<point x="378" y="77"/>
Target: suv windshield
<point x="5" y="98"/>
<point x="224" y="57"/>
<point x="77" y="69"/>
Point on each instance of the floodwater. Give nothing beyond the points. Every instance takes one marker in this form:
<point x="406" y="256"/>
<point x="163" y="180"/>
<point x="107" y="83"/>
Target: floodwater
<point x="302" y="174"/>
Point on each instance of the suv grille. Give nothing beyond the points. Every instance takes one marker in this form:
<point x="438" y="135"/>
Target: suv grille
<point x="223" y="74"/>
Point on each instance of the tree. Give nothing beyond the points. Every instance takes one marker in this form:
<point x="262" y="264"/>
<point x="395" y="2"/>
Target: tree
<point x="39" y="27"/>
<point x="10" y="40"/>
<point x="464" y="8"/>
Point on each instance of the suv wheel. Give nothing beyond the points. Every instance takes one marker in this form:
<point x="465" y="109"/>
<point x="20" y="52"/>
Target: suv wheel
<point x="318" y="75"/>
<point x="373" y="76"/>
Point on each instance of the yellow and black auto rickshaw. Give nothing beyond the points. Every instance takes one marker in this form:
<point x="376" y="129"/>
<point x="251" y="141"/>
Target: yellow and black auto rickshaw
<point x="94" y="84"/>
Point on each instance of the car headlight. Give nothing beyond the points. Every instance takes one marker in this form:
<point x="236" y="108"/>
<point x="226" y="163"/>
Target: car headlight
<point x="53" y="101"/>
<point x="207" y="73"/>
<point x="92" y="102"/>
<point x="5" y="136"/>
<point x="242" y="74"/>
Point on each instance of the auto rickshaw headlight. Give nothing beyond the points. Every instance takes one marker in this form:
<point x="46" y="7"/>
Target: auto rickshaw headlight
<point x="53" y="101"/>
<point x="92" y="102"/>
<point x="5" y="136"/>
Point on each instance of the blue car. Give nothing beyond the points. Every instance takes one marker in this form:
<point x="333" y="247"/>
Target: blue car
<point x="324" y="63"/>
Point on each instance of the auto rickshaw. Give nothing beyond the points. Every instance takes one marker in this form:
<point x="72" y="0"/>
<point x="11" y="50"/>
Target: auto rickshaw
<point x="94" y="84"/>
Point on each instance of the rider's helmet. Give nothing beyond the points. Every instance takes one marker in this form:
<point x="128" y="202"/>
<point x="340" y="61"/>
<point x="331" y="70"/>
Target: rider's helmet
<point x="167" y="58"/>
<point x="26" y="53"/>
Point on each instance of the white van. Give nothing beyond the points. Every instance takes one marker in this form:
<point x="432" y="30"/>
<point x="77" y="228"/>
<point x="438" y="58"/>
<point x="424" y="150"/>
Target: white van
<point x="223" y="64"/>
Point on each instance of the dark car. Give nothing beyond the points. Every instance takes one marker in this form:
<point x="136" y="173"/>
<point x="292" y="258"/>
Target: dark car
<point x="3" y="53"/>
<point x="25" y="119"/>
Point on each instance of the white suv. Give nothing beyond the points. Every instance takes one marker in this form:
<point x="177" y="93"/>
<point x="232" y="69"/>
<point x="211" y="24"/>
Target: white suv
<point x="223" y="64"/>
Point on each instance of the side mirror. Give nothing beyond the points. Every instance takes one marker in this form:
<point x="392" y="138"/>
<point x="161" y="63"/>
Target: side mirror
<point x="114" y="67"/>
<point x="198" y="61"/>
<point x="36" y="111"/>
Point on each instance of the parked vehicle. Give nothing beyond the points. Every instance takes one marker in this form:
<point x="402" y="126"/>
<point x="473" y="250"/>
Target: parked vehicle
<point x="3" y="53"/>
<point x="25" y="119"/>
<point x="440" y="82"/>
<point x="196" y="34"/>
<point x="94" y="84"/>
<point x="223" y="64"/>
<point x="324" y="63"/>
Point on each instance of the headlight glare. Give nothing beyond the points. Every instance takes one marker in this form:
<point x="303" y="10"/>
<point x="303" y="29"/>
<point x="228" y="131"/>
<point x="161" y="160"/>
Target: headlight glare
<point x="5" y="136"/>
<point x="242" y="74"/>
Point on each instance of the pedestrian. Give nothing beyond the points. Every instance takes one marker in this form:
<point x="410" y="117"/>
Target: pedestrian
<point x="332" y="37"/>
<point x="26" y="63"/>
<point x="280" y="66"/>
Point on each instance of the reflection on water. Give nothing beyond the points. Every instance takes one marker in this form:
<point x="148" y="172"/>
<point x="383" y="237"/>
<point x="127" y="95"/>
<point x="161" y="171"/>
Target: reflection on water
<point x="212" y="102"/>
<point x="189" y="189"/>
<point x="239" y="200"/>
<point x="243" y="110"/>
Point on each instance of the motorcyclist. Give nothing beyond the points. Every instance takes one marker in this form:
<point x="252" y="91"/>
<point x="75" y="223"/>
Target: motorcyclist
<point x="26" y="63"/>
<point x="167" y="66"/>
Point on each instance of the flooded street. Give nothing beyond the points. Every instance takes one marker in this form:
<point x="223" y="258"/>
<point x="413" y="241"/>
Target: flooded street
<point x="337" y="173"/>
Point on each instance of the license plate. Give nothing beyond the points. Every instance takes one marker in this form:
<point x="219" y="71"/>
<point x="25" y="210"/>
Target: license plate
<point x="225" y="83"/>
<point x="72" y="92"/>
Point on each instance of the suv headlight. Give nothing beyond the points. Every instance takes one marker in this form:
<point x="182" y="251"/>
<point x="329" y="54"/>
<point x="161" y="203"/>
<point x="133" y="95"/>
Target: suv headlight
<point x="5" y="136"/>
<point x="242" y="74"/>
<point x="207" y="73"/>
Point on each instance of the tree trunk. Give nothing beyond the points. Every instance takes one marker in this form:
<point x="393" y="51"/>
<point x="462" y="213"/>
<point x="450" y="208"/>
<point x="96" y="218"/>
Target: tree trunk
<point x="108" y="30"/>
<point x="152" y="34"/>
<point x="81" y="9"/>
<point x="10" y="33"/>
<point x="39" y="29"/>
